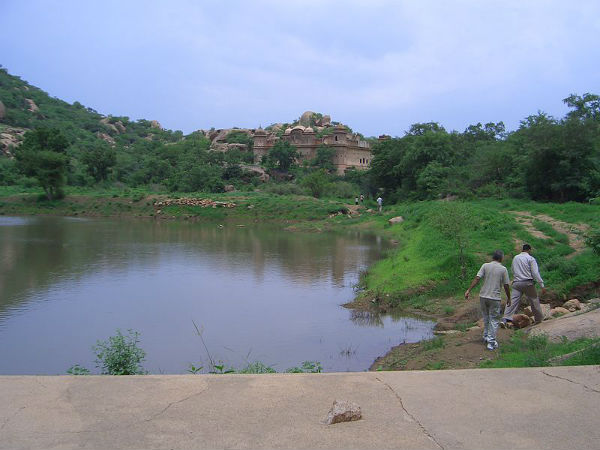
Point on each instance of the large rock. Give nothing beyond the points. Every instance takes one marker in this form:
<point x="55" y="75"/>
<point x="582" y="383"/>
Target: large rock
<point x="343" y="411"/>
<point x="572" y="305"/>
<point x="558" y="311"/>
<point x="521" y="321"/>
<point x="394" y="220"/>
<point x="155" y="124"/>
<point x="306" y="117"/>
<point x="120" y="127"/>
<point x="2" y="110"/>
<point x="585" y="325"/>
<point x="545" y="310"/>
<point x="32" y="106"/>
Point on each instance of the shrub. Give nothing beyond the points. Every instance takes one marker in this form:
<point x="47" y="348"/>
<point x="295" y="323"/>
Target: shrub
<point x="120" y="354"/>
<point x="316" y="182"/>
<point x="592" y="240"/>
<point x="257" y="367"/>
<point x="307" y="367"/>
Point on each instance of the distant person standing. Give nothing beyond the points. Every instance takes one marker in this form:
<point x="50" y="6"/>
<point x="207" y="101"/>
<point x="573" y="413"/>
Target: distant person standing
<point x="380" y="203"/>
<point x="362" y="199"/>
<point x="525" y="274"/>
<point x="495" y="277"/>
<point x="356" y="200"/>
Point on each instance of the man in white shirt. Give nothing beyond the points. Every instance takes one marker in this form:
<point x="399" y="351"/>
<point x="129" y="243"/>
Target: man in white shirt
<point x="525" y="274"/>
<point x="380" y="203"/>
<point x="495" y="277"/>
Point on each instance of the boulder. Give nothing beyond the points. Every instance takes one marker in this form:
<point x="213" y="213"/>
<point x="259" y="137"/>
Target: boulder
<point x="343" y="411"/>
<point x="521" y="321"/>
<point x="120" y="127"/>
<point x="106" y="137"/>
<point x="306" y="117"/>
<point x="394" y="220"/>
<point x="558" y="311"/>
<point x="325" y="120"/>
<point x="574" y="326"/>
<point x="229" y="188"/>
<point x="545" y="310"/>
<point x="572" y="305"/>
<point x="110" y="126"/>
<point x="155" y="124"/>
<point x="2" y="111"/>
<point x="32" y="106"/>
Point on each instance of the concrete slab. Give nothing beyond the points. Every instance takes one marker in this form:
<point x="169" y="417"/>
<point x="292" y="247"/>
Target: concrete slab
<point x="518" y="408"/>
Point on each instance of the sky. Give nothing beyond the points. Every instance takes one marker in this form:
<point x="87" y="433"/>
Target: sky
<point x="376" y="65"/>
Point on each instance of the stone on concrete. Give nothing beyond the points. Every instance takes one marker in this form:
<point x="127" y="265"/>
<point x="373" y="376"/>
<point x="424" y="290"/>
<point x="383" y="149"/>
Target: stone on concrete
<point x="343" y="411"/>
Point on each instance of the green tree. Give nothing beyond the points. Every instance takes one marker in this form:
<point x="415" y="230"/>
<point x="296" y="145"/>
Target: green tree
<point x="42" y="155"/>
<point x="453" y="221"/>
<point x="316" y="182"/>
<point x="282" y="155"/>
<point x="324" y="158"/>
<point x="99" y="158"/>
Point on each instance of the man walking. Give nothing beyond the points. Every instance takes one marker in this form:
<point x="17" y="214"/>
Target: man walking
<point x="525" y="273"/>
<point x="380" y="203"/>
<point x="495" y="276"/>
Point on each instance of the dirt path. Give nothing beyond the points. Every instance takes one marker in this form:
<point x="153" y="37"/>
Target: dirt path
<point x="573" y="231"/>
<point x="460" y="350"/>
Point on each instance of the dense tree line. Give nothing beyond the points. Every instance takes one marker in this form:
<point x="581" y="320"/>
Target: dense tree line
<point x="544" y="159"/>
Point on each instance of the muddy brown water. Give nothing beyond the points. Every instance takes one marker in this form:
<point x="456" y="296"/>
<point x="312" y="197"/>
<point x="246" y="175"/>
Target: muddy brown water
<point x="259" y="293"/>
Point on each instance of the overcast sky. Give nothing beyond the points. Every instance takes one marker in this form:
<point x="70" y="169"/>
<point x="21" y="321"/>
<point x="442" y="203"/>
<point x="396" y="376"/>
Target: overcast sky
<point x="377" y="66"/>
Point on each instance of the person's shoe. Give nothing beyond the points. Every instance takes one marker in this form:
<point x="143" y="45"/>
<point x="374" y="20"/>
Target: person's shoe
<point x="492" y="345"/>
<point x="503" y="324"/>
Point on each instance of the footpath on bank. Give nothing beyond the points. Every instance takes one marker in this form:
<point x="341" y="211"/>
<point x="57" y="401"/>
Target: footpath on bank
<point x="551" y="407"/>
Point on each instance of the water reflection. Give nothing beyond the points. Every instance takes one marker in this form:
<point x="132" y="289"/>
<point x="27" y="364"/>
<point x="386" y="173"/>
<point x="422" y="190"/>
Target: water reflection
<point x="255" y="289"/>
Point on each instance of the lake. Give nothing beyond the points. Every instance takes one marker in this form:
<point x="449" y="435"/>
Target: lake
<point x="259" y="293"/>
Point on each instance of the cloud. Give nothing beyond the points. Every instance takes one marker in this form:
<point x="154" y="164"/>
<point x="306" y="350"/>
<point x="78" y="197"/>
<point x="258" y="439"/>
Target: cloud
<point x="380" y="64"/>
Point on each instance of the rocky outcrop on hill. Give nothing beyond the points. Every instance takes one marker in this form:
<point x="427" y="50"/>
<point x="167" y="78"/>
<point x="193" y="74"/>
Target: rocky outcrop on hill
<point x="116" y="127"/>
<point x="10" y="138"/>
<point x="106" y="137"/>
<point x="2" y="110"/>
<point x="31" y="105"/>
<point x="156" y="124"/>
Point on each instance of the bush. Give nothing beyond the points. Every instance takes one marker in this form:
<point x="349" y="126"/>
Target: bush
<point x="316" y="183"/>
<point x="120" y="355"/>
<point x="343" y="189"/>
<point x="307" y="367"/>
<point x="283" y="189"/>
<point x="592" y="240"/>
<point x="257" y="367"/>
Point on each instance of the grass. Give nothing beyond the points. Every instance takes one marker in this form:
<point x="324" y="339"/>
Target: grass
<point x="424" y="268"/>
<point x="538" y="351"/>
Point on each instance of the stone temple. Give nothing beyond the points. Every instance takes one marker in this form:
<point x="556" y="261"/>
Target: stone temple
<point x="350" y="150"/>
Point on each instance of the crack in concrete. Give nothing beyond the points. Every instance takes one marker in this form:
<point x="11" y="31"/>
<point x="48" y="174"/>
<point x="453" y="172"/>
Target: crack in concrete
<point x="173" y="403"/>
<point x="413" y="418"/>
<point x="9" y="418"/>
<point x="571" y="381"/>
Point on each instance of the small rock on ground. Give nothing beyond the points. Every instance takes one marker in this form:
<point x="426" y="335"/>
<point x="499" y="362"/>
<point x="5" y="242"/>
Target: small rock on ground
<point x="343" y="411"/>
